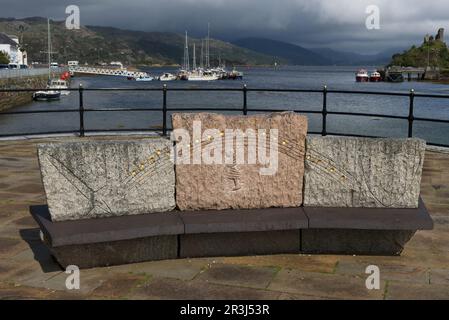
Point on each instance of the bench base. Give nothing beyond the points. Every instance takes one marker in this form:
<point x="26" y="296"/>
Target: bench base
<point x="171" y="235"/>
<point x="106" y="254"/>
<point x="239" y="243"/>
<point x="360" y="242"/>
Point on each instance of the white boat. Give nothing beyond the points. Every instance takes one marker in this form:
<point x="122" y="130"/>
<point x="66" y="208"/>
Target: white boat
<point x="49" y="95"/>
<point x="375" y="77"/>
<point x="203" y="76"/>
<point x="57" y="85"/>
<point x="167" y="77"/>
<point x="144" y="78"/>
<point x="362" y="76"/>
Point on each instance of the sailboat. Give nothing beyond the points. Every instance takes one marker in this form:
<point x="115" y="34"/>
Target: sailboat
<point x="48" y="95"/>
<point x="201" y="74"/>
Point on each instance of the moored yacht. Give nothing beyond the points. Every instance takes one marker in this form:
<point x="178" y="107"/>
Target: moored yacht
<point x="202" y="76"/>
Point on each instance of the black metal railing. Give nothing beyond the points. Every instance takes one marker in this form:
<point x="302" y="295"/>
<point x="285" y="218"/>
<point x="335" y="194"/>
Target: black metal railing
<point x="324" y="112"/>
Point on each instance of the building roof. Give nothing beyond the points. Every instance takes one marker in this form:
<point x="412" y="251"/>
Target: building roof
<point x="4" y="39"/>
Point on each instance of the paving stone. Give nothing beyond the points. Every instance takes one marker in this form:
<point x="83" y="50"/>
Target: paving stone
<point x="291" y="296"/>
<point x="387" y="272"/>
<point x="240" y="276"/>
<point x="57" y="281"/>
<point x="119" y="286"/>
<point x="39" y="254"/>
<point x="28" y="188"/>
<point x="11" y="292"/>
<point x="31" y="275"/>
<point x="439" y="276"/>
<point x="234" y="185"/>
<point x="26" y="221"/>
<point x="103" y="179"/>
<point x="315" y="263"/>
<point x="405" y="291"/>
<point x="363" y="172"/>
<point x="10" y="247"/>
<point x="324" y="285"/>
<point x="198" y="290"/>
<point x="182" y="269"/>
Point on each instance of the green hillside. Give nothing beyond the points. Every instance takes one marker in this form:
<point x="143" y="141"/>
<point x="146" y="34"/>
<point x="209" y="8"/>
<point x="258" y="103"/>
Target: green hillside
<point x="103" y="44"/>
<point x="433" y="53"/>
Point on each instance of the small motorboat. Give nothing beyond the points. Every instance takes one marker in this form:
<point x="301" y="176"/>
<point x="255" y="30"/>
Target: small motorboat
<point x="50" y="95"/>
<point x="375" y="77"/>
<point x="57" y="85"/>
<point x="235" y="75"/>
<point x="167" y="77"/>
<point x="144" y="78"/>
<point x="362" y="76"/>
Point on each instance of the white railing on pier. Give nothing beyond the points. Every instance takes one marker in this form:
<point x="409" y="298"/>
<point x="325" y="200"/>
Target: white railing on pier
<point x="107" y="71"/>
<point x="20" y="73"/>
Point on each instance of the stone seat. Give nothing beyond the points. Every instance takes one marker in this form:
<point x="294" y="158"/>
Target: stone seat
<point x="157" y="236"/>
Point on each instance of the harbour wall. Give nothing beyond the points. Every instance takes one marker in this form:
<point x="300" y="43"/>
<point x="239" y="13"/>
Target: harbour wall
<point x="13" y="99"/>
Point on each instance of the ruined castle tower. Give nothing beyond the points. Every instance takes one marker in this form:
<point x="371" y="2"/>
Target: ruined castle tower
<point x="440" y="35"/>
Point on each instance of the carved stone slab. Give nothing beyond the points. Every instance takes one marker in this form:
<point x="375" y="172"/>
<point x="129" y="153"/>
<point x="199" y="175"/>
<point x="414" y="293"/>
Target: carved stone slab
<point x="95" y="179"/>
<point x="362" y="172"/>
<point x="234" y="185"/>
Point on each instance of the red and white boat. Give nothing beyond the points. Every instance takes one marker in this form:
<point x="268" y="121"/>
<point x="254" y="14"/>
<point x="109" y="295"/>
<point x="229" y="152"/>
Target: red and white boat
<point x="375" y="77"/>
<point x="362" y="76"/>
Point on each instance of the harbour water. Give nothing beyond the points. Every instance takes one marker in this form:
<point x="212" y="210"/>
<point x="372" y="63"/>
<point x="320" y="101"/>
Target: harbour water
<point x="339" y="78"/>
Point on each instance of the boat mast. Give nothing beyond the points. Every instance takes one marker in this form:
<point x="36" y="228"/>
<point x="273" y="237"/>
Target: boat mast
<point x="186" y="55"/>
<point x="194" y="57"/>
<point x="49" y="49"/>
<point x="207" y="46"/>
<point x="202" y="54"/>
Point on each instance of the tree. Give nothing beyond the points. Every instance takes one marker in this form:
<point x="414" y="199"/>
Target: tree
<point x="4" y="58"/>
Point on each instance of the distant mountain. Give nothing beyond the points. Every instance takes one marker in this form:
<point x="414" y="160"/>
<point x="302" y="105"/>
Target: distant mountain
<point x="349" y="58"/>
<point x="297" y="55"/>
<point x="92" y="45"/>
<point x="283" y="51"/>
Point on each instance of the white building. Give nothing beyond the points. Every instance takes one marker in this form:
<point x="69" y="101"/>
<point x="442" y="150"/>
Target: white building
<point x="10" y="45"/>
<point x="73" y="63"/>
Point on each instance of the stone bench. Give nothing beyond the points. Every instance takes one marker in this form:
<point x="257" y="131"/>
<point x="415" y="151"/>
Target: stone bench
<point x="116" y="202"/>
<point x="159" y="236"/>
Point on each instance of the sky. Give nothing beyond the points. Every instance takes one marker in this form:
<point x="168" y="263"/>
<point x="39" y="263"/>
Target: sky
<point x="337" y="24"/>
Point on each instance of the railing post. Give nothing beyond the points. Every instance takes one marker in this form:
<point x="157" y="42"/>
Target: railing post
<point x="411" y="116"/>
<point x="324" y="112"/>
<point x="164" y="110"/>
<point x="245" y="101"/>
<point x="81" y="109"/>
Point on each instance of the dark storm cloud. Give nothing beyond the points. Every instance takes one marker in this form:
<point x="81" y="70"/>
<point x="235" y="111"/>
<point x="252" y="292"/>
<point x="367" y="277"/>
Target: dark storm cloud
<point x="338" y="24"/>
